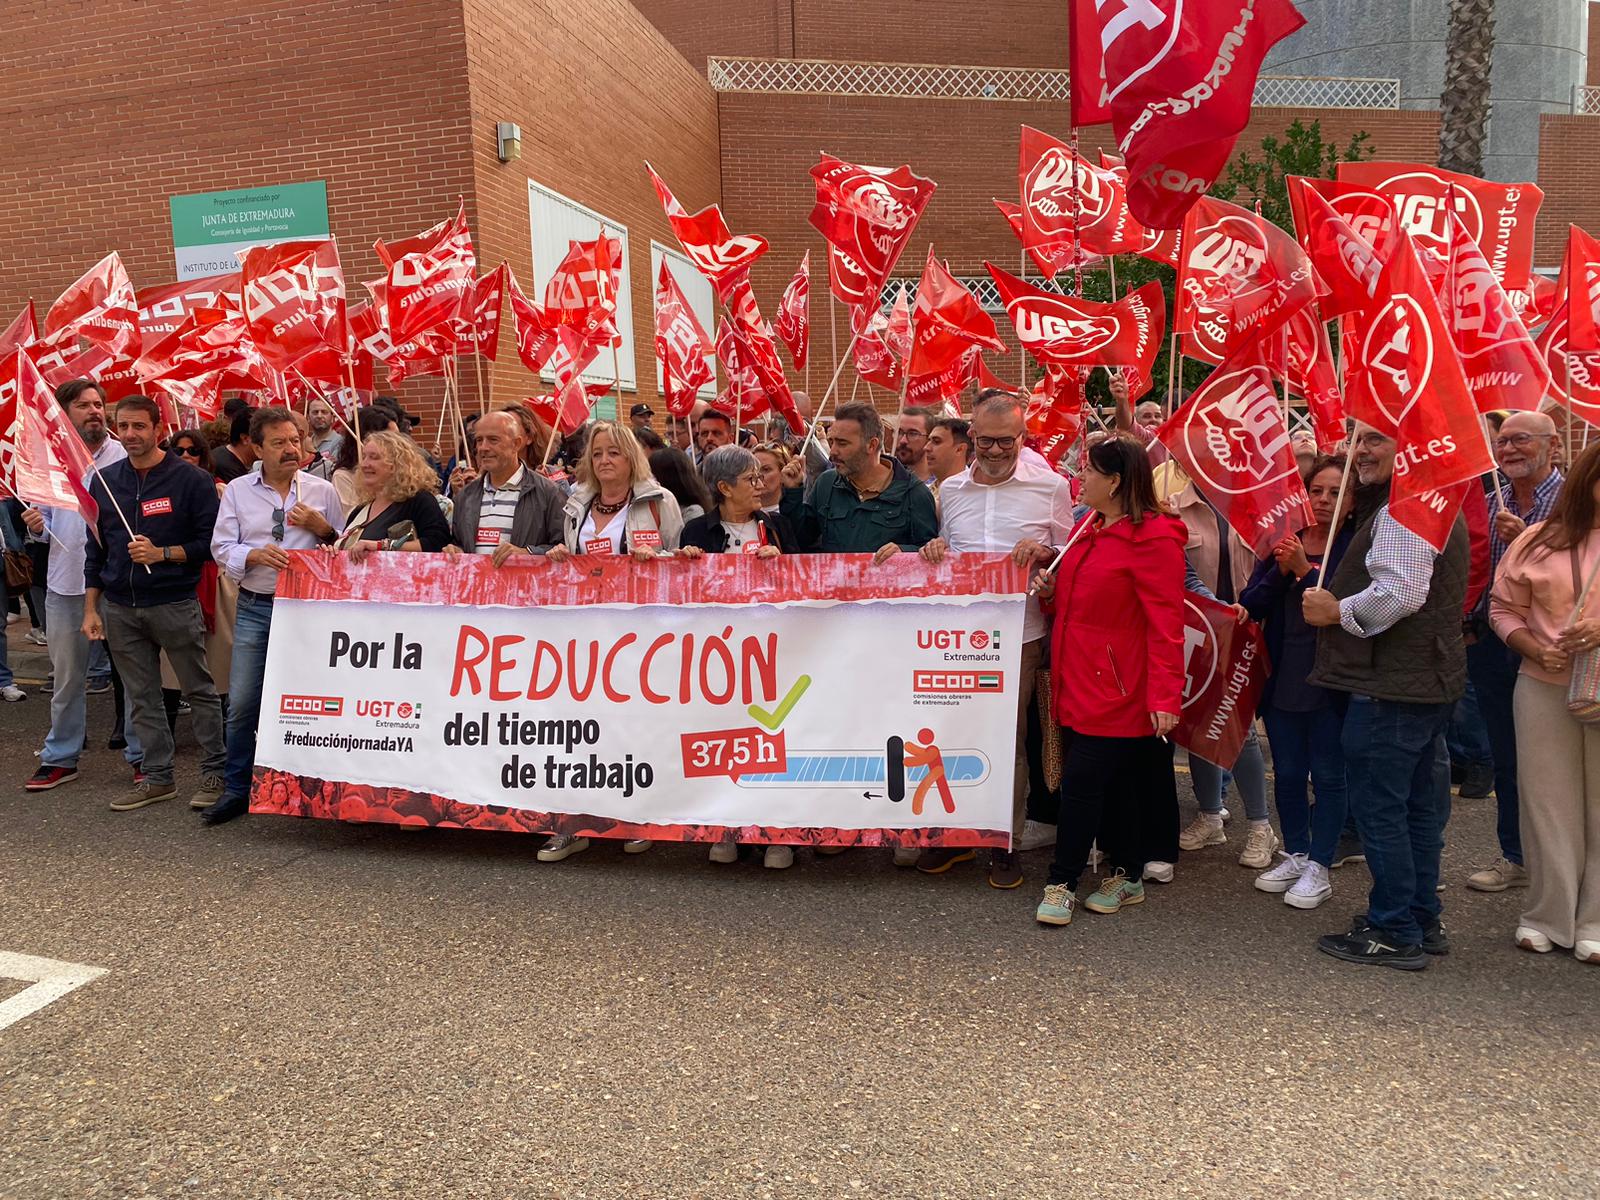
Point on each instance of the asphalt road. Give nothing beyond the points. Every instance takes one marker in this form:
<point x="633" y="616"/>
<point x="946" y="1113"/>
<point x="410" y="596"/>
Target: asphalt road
<point x="307" y="1009"/>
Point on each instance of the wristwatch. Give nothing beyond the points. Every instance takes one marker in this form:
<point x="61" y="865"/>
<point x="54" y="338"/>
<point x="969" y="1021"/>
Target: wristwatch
<point x="166" y="554"/>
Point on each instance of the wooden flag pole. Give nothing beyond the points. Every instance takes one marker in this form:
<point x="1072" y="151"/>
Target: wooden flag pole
<point x="28" y="504"/>
<point x="816" y="418"/>
<point x="1022" y="355"/>
<point x="483" y="399"/>
<point x="1172" y="373"/>
<point x="1338" y="507"/>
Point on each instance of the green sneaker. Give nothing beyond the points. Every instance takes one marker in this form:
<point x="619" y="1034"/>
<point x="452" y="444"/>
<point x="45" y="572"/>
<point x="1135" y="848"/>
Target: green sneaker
<point x="1057" y="905"/>
<point x="1114" y="892"/>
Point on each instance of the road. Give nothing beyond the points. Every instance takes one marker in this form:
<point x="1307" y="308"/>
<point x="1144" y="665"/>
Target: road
<point x="308" y="1009"/>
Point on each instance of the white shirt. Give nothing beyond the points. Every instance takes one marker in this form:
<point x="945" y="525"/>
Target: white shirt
<point x="611" y="533"/>
<point x="66" y="532"/>
<point x="497" y="513"/>
<point x="245" y="523"/>
<point x="979" y="518"/>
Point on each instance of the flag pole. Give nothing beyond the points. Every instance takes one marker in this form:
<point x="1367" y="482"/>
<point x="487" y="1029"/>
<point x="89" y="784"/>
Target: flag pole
<point x="477" y="367"/>
<point x="905" y="377"/>
<point x="48" y="531"/>
<point x="1062" y="553"/>
<point x="832" y="384"/>
<point x="1172" y="373"/>
<point x="113" y="497"/>
<point x="1338" y="507"/>
<point x="1022" y="356"/>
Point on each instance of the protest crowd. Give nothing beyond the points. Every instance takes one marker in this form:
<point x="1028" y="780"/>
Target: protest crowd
<point x="1414" y="548"/>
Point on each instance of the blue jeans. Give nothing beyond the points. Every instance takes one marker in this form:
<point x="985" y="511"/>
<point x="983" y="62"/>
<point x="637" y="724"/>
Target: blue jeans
<point x="1307" y="745"/>
<point x="69" y="662"/>
<point x="1249" y="772"/>
<point x="99" y="662"/>
<point x="249" y="666"/>
<point x="1399" y="779"/>
<point x="1493" y="669"/>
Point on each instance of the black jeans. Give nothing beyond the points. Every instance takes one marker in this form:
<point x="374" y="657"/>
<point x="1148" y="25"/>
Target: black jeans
<point x="1103" y="781"/>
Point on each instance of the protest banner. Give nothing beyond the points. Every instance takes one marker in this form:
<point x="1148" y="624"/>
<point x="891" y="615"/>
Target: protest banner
<point x="777" y="700"/>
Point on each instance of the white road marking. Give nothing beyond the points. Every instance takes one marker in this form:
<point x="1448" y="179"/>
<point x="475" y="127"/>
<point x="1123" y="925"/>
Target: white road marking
<point x="51" y="979"/>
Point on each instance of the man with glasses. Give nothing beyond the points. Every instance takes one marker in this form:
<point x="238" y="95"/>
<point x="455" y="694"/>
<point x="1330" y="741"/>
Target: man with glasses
<point x="911" y="443"/>
<point x="152" y="537"/>
<point x="1525" y="450"/>
<point x="263" y="516"/>
<point x="1004" y="503"/>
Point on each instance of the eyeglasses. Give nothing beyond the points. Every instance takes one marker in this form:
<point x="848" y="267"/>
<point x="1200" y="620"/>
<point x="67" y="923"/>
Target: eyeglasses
<point x="994" y="443"/>
<point x="1520" y="440"/>
<point x="753" y="478"/>
<point x="277" y="524"/>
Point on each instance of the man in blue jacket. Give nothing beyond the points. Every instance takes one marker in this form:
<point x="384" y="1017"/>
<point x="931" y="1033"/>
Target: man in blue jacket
<point x="156" y="517"/>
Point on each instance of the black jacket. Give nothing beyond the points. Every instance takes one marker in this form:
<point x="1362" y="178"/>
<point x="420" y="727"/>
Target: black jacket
<point x="706" y="532"/>
<point x="422" y="510"/>
<point x="837" y="521"/>
<point x="172" y="504"/>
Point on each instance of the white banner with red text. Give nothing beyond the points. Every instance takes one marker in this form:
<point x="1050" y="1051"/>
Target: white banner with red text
<point x="807" y="700"/>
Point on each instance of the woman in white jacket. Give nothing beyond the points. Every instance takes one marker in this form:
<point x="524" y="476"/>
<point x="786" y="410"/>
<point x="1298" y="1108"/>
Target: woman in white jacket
<point x="617" y="508"/>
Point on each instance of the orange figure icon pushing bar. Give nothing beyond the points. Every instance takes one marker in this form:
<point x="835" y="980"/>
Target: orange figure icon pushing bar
<point x="931" y="757"/>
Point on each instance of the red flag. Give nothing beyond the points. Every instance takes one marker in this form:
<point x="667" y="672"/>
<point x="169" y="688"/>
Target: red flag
<point x="874" y="361"/>
<point x="1224" y="671"/>
<point x="50" y="463"/>
<point x="1347" y="265"/>
<point x="1089" y="102"/>
<point x="1051" y="259"/>
<point x="1579" y="286"/>
<point x="1431" y="515"/>
<point x="23" y="331"/>
<point x="1230" y="438"/>
<point x="847" y="281"/>
<point x="1536" y="303"/>
<point x="571" y="356"/>
<point x="1067" y="199"/>
<point x="988" y="379"/>
<point x="535" y="332"/>
<point x="1412" y="386"/>
<point x="716" y="253"/>
<point x="1055" y="412"/>
<point x="1308" y="356"/>
<point x="681" y="345"/>
<point x="761" y="352"/>
<point x="1179" y="80"/>
<point x="1504" y="368"/>
<point x="793" y="325"/>
<point x="897" y="332"/>
<point x="1369" y="214"/>
<point x="868" y="213"/>
<point x="477" y="325"/>
<point x="100" y="308"/>
<point x="1574" y="378"/>
<point x="164" y="308"/>
<point x="1065" y="331"/>
<point x="1498" y="216"/>
<point x="1162" y="246"/>
<point x="587" y="279"/>
<point x="1241" y="274"/>
<point x="209" y="342"/>
<point x="565" y="411"/>
<point x="943" y="389"/>
<point x="430" y="282"/>
<point x="947" y="322"/>
<point x="293" y="300"/>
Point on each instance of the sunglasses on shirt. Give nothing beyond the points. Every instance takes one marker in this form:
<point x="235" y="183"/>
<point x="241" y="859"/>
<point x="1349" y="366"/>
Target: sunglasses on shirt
<point x="278" y="515"/>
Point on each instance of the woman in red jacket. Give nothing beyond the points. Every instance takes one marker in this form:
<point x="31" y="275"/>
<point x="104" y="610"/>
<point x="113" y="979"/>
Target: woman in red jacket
<point x="1117" y="667"/>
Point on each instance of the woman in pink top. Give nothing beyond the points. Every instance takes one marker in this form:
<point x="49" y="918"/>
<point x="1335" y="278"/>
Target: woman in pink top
<point x="1541" y="578"/>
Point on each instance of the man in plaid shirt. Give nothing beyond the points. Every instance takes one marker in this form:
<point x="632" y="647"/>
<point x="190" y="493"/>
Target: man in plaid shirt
<point x="1390" y="637"/>
<point x="1525" y="450"/>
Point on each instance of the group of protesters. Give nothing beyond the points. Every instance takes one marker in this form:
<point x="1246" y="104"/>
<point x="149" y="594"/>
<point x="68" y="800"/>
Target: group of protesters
<point x="1375" y="639"/>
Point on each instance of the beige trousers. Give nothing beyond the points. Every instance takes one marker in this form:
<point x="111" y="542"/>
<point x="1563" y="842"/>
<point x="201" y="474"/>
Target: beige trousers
<point x="1558" y="778"/>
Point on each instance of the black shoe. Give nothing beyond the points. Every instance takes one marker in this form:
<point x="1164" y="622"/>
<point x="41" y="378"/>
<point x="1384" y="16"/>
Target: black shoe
<point x="116" y="742"/>
<point x="225" y="810"/>
<point x="1479" y="782"/>
<point x="1349" y="851"/>
<point x="1372" y="947"/>
<point x="97" y="687"/>
<point x="1458" y="773"/>
<point x="1436" y="941"/>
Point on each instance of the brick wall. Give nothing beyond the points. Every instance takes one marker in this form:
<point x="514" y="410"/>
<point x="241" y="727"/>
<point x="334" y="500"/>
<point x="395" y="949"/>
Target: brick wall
<point x="596" y="90"/>
<point x="130" y="102"/>
<point x="732" y="28"/>
<point x="1569" y="146"/>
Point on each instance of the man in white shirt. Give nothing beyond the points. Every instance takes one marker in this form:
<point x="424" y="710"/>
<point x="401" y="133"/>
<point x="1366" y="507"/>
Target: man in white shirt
<point x="85" y="406"/>
<point x="1007" y="502"/>
<point x="263" y="515"/>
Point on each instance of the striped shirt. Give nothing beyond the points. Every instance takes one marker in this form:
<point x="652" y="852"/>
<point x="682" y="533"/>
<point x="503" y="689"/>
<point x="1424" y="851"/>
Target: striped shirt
<point x="1544" y="500"/>
<point x="1401" y="567"/>
<point x="499" y="509"/>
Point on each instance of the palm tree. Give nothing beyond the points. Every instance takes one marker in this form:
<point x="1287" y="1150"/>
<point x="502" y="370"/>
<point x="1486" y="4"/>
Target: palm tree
<point x="1464" y="104"/>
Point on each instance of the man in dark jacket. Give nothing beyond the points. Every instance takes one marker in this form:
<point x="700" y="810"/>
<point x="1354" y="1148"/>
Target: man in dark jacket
<point x="147" y="570"/>
<point x="1390" y="636"/>
<point x="509" y="509"/>
<point x="868" y="503"/>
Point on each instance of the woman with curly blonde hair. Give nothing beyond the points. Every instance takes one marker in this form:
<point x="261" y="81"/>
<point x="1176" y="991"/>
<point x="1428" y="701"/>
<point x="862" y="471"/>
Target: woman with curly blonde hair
<point x="397" y="506"/>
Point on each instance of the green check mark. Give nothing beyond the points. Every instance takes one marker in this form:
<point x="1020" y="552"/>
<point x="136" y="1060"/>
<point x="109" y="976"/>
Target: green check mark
<point x="773" y="719"/>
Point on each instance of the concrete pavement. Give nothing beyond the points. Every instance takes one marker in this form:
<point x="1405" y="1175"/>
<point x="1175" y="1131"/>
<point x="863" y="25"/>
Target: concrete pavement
<point x="308" y="1009"/>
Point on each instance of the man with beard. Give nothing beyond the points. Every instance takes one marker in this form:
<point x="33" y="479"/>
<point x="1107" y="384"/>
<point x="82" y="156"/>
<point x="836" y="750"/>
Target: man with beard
<point x="911" y="443"/>
<point x="147" y="579"/>
<point x="1525" y="449"/>
<point x="1390" y="636"/>
<point x="85" y="406"/>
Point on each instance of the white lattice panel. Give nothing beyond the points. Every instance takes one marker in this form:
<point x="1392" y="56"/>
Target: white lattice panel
<point x="1306" y="91"/>
<point x="1586" y="101"/>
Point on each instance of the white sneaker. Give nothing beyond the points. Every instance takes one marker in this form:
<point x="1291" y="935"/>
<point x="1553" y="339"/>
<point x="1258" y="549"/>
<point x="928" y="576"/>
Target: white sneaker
<point x="1283" y="876"/>
<point x="1205" y="830"/>
<point x="1311" y="889"/>
<point x="724" y="852"/>
<point x="11" y="693"/>
<point x="1158" y="872"/>
<point x="1588" y="952"/>
<point x="1531" y="939"/>
<point x="1095" y="857"/>
<point x="636" y="845"/>
<point x="1258" y="846"/>
<point x="562" y="845"/>
<point x="34" y="636"/>
<point x="1224" y="813"/>
<point x="778" y="858"/>
<point x="906" y="856"/>
<point x="13" y="618"/>
<point x="1036" y="835"/>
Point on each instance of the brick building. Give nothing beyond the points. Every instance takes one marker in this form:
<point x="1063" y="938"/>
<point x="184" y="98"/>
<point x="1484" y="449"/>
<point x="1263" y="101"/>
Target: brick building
<point x="395" y="107"/>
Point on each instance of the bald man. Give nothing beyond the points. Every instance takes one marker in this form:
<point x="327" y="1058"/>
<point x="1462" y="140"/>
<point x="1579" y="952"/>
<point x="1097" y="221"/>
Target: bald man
<point x="1525" y="449"/>
<point x="509" y="509"/>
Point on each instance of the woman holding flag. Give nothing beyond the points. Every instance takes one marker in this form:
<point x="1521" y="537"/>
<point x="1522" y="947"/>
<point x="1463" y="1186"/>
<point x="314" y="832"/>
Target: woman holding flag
<point x="1117" y="666"/>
